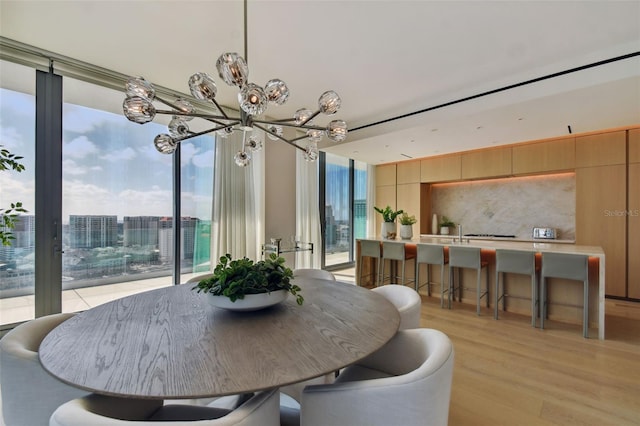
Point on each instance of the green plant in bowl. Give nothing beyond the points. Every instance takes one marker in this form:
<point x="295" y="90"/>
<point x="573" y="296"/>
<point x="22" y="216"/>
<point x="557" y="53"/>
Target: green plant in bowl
<point x="445" y="222"/>
<point x="388" y="214"/>
<point x="237" y="278"/>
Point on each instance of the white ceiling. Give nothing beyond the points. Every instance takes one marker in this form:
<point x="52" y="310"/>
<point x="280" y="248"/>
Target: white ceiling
<point x="384" y="58"/>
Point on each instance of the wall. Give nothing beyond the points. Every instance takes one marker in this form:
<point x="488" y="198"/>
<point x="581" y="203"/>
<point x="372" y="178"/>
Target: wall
<point x="280" y="192"/>
<point x="511" y="206"/>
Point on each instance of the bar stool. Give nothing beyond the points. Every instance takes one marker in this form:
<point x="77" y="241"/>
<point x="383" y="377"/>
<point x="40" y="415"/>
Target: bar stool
<point x="394" y="251"/>
<point x="467" y="257"/>
<point x="430" y="254"/>
<point x="516" y="262"/>
<point x="568" y="266"/>
<point x="372" y="249"/>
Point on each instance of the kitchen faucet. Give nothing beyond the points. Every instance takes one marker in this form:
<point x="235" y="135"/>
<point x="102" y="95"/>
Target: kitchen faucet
<point x="460" y="233"/>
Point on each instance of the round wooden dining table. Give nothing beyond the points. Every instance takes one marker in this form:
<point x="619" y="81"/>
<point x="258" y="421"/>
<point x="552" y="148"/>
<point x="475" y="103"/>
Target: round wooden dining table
<point x="171" y="343"/>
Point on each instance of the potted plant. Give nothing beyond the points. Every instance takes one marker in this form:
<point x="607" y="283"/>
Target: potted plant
<point x="236" y="281"/>
<point x="445" y="224"/>
<point x="406" y="226"/>
<point x="389" y="215"/>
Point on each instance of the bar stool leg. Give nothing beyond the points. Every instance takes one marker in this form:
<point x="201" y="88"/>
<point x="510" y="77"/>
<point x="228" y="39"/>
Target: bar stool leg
<point x="534" y="298"/>
<point x="487" y="286"/>
<point x="496" y="298"/>
<point x="478" y="291"/>
<point x="543" y="301"/>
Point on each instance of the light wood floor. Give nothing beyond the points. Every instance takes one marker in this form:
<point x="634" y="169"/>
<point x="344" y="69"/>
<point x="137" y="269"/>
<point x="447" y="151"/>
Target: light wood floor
<point x="508" y="373"/>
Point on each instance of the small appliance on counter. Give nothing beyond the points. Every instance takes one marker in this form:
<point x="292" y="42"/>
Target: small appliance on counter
<point x="544" y="233"/>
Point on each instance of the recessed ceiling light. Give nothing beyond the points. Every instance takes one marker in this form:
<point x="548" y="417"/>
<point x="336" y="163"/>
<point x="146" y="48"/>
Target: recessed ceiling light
<point x="434" y="130"/>
<point x="520" y="119"/>
<point x="479" y="127"/>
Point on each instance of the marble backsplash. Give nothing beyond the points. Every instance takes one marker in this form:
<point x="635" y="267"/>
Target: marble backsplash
<point x="511" y="206"/>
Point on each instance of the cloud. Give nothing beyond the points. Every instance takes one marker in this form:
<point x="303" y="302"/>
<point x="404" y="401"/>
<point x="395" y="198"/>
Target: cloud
<point x="10" y="138"/>
<point x="123" y="155"/>
<point x="14" y="190"/>
<point x="80" y="147"/>
<point x="204" y="160"/>
<point x="70" y="167"/>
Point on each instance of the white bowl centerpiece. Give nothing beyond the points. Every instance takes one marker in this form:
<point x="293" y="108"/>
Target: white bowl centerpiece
<point x="244" y="285"/>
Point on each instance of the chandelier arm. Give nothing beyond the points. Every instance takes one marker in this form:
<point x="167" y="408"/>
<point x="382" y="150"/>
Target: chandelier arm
<point x="290" y="142"/>
<point x="284" y="123"/>
<point x="196" y="134"/>
<point x="198" y="115"/>
<point x="311" y="117"/>
<point x="219" y="107"/>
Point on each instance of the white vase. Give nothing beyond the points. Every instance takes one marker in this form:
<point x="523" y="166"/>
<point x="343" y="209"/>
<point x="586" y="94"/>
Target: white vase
<point x="434" y="224"/>
<point x="444" y="230"/>
<point x="406" y="232"/>
<point x="389" y="230"/>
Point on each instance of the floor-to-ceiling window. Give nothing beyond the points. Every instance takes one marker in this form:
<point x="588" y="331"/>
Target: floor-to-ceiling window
<point x="118" y="199"/>
<point x="17" y="135"/>
<point x="343" y="192"/>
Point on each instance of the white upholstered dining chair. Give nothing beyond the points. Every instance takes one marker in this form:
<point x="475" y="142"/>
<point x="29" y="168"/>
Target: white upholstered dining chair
<point x="29" y="393"/>
<point x="406" y="382"/>
<point x="314" y="273"/>
<point x="406" y="300"/>
<point x="262" y="409"/>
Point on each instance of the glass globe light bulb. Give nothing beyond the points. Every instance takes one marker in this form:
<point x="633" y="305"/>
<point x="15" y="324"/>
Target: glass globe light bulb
<point x="337" y="130"/>
<point x="138" y="110"/>
<point x="276" y="91"/>
<point x="139" y="87"/>
<point x="314" y="135"/>
<point x="252" y="99"/>
<point x="242" y="158"/>
<point x="202" y="86"/>
<point x="253" y="144"/>
<point x="165" y="144"/>
<point x="232" y="69"/>
<point x="274" y="128"/>
<point x="184" y="106"/>
<point x="223" y="133"/>
<point x="329" y="102"/>
<point x="302" y="115"/>
<point x="178" y="127"/>
<point x="311" y="152"/>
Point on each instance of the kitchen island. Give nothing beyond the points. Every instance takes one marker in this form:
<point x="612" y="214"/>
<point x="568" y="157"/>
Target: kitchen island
<point x="567" y="294"/>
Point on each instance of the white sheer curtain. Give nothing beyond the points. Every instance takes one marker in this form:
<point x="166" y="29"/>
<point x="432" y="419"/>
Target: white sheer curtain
<point x="238" y="202"/>
<point x="371" y="200"/>
<point x="307" y="211"/>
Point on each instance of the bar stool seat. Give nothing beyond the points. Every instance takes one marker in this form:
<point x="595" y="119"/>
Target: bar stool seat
<point x="430" y="254"/>
<point x="467" y="257"/>
<point x="394" y="251"/>
<point x="371" y="249"/>
<point x="568" y="266"/>
<point x="516" y="262"/>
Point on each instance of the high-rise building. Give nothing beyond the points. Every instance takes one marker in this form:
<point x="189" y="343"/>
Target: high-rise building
<point x="188" y="227"/>
<point x="93" y="231"/>
<point x="140" y="231"/>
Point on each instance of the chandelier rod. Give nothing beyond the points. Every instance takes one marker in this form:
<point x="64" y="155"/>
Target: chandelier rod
<point x="290" y="142"/>
<point x="246" y="49"/>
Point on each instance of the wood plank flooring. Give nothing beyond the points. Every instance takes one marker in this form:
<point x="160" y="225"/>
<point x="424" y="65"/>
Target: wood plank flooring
<point x="509" y="373"/>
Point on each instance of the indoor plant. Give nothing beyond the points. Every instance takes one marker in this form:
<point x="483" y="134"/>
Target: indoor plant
<point x="238" y="278"/>
<point x="445" y="224"/>
<point x="389" y="221"/>
<point x="9" y="217"/>
<point x="406" y="226"/>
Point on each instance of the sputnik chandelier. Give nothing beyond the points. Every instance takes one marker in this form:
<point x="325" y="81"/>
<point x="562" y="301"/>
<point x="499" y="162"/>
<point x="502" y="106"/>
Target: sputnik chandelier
<point x="253" y="99"/>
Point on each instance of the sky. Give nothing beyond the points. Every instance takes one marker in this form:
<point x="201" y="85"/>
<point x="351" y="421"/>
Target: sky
<point x="110" y="166"/>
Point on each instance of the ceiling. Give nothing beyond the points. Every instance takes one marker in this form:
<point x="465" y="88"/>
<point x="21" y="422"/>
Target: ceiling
<point x="385" y="58"/>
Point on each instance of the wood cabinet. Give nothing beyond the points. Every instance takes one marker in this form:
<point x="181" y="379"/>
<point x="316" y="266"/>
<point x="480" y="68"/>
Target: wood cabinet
<point x="633" y="224"/>
<point x="601" y="149"/>
<point x="486" y="163"/>
<point x="634" y="146"/>
<point x="408" y="172"/>
<point x="549" y="156"/>
<point x="386" y="174"/>
<point x="441" y="169"/>
<point x="408" y="199"/>
<point x="601" y="219"/>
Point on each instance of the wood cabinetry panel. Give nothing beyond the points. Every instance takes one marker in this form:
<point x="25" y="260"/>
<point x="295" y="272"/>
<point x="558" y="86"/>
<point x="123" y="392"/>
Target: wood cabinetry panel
<point x="408" y="172"/>
<point x="486" y="163"/>
<point x="441" y="169"/>
<point x="408" y="197"/>
<point x="549" y="156"/>
<point x="634" y="146"/>
<point x="386" y="174"/>
<point x="601" y="149"/>
<point x="633" y="252"/>
<point x="601" y="219"/>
